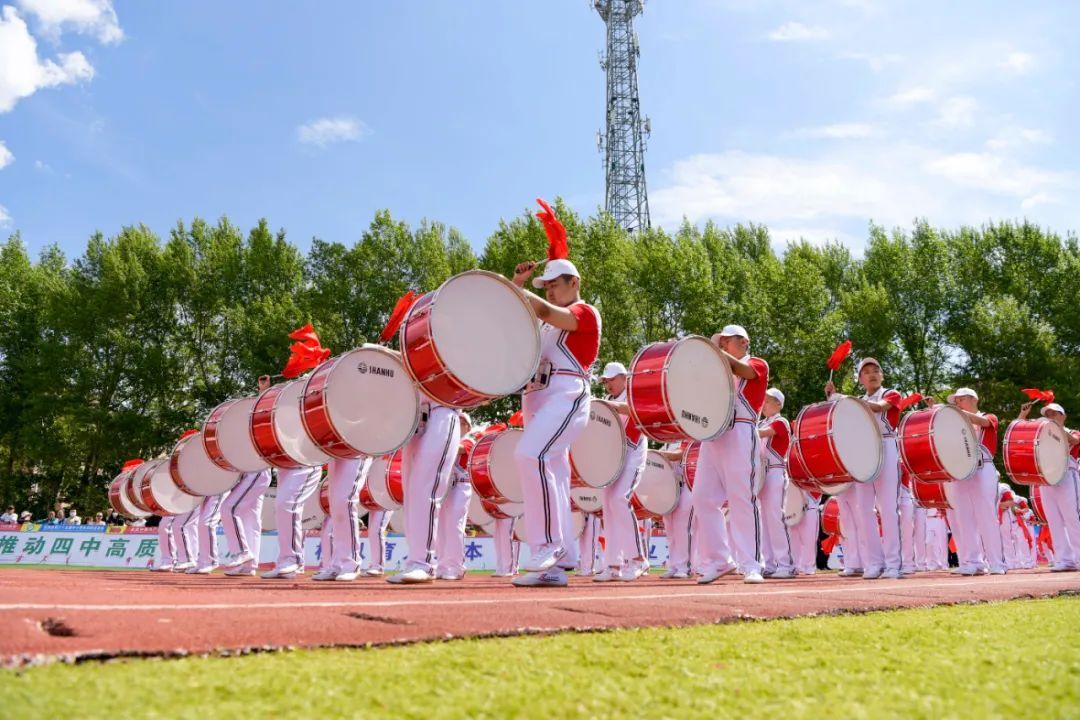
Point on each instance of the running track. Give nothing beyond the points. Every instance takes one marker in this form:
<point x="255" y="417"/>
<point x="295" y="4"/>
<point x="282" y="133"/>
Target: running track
<point x="48" y="615"/>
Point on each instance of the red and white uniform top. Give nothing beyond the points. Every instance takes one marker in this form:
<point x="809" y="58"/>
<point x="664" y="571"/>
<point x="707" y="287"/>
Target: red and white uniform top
<point x="461" y="464"/>
<point x="988" y="437"/>
<point x="890" y="419"/>
<point x="750" y="394"/>
<point x="633" y="432"/>
<point x="572" y="352"/>
<point x="776" y="447"/>
<point x="1074" y="451"/>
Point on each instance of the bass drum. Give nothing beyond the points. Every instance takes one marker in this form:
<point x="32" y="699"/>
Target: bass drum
<point x="1036" y="452"/>
<point x="227" y="437"/>
<point x="160" y="493"/>
<point x="794" y="504"/>
<point x="492" y="467"/>
<point x="657" y="494"/>
<point x="585" y="499"/>
<point x="312" y="518"/>
<point x="598" y="455"/>
<point x="119" y="498"/>
<point x="836" y="442"/>
<point x="195" y="473"/>
<point x="384" y="489"/>
<point x="938" y="444"/>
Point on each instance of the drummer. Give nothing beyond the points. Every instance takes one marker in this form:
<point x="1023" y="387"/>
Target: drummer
<point x="726" y="468"/>
<point x="1061" y="502"/>
<point x="295" y="486"/>
<point x="804" y="534"/>
<point x="377" y="522"/>
<point x="241" y="516"/>
<point x="974" y="501"/>
<point x="556" y="408"/>
<point x="775" y="434"/>
<point x="624" y="550"/>
<point x="881" y="553"/>
<point x="185" y="530"/>
<point x="345" y="477"/>
<point x="207" y="524"/>
<point x="166" y="546"/>
<point x="426" y="465"/>
<point x="678" y="523"/>
<point x="454" y="511"/>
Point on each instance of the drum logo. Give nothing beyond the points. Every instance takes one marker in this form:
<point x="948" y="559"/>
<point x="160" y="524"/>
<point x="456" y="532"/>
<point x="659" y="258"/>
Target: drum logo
<point x="694" y="418"/>
<point x="363" y="369"/>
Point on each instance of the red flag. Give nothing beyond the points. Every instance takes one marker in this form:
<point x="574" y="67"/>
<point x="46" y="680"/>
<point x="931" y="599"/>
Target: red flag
<point x="131" y="464"/>
<point x="305" y="335"/>
<point x="558" y="249"/>
<point x="304" y="358"/>
<point x="829" y="543"/>
<point x="1046" y="396"/>
<point x="839" y="355"/>
<point x="397" y="315"/>
<point x="517" y="419"/>
<point x="910" y="400"/>
<point x="186" y="434"/>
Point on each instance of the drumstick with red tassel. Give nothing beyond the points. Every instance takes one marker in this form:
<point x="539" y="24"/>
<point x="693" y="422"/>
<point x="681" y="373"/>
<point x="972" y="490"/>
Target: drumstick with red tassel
<point x="1036" y="395"/>
<point x="838" y="356"/>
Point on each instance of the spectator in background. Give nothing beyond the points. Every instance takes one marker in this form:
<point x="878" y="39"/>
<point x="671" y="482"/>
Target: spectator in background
<point x="9" y="516"/>
<point x="114" y="518"/>
<point x="25" y="516"/>
<point x="51" y="519"/>
<point x="73" y="517"/>
<point x="99" y="519"/>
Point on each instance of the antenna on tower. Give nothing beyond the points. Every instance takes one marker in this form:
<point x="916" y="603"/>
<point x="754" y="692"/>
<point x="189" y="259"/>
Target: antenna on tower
<point x="624" y="144"/>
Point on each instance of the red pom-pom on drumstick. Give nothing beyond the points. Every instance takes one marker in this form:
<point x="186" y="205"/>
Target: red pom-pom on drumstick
<point x="910" y="400"/>
<point x="839" y="355"/>
<point x="829" y="543"/>
<point x="130" y="464"/>
<point x="304" y="358"/>
<point x="517" y="419"/>
<point x="397" y="315"/>
<point x="1046" y="396"/>
<point x="305" y="335"/>
<point x="558" y="248"/>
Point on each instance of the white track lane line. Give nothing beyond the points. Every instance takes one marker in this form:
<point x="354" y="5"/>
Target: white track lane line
<point x="532" y="597"/>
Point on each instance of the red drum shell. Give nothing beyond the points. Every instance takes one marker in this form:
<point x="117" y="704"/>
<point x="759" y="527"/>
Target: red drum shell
<point x="929" y="495"/>
<point x="393" y="480"/>
<point x="814" y="441"/>
<point x="1036" y="504"/>
<point x="830" y="517"/>
<point x="134" y="488"/>
<point x="210" y="439"/>
<point x="423" y="363"/>
<point x="316" y="418"/>
<point x="324" y="495"/>
<point x="690" y="456"/>
<point x="1020" y="450"/>
<point x="263" y="433"/>
<point x="918" y="447"/>
<point x="481" y="468"/>
<point x="646" y="394"/>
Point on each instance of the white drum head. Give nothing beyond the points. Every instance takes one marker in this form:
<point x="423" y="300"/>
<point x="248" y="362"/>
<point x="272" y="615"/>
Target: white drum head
<point x="372" y="401"/>
<point x="587" y="499"/>
<point x="129" y="508"/>
<point x="312" y="518"/>
<point x="199" y="473"/>
<point x="794" y="505"/>
<point x="857" y="435"/>
<point x="477" y="514"/>
<point x="504" y="470"/>
<point x="397" y="522"/>
<point x="658" y="491"/>
<point x="1052" y="453"/>
<point x="599" y="452"/>
<point x="486" y="333"/>
<point x="955" y="442"/>
<point x="836" y="489"/>
<point x="234" y="437"/>
<point x="174" y="500"/>
<point x="376" y="479"/>
<point x="294" y="439"/>
<point x="138" y="478"/>
<point x="700" y="388"/>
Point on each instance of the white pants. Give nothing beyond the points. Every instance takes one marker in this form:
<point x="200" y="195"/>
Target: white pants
<point x="622" y="541"/>
<point x="209" y="521"/>
<point x="725" y="471"/>
<point x="858" y="524"/>
<point x="344" y="479"/>
<point x="377" y="520"/>
<point x="779" y="554"/>
<point x="427" y="463"/>
<point x="326" y="544"/>
<point x="166" y="546"/>
<point x="1023" y="548"/>
<point x="906" y="508"/>
<point x="453" y="517"/>
<point x="974" y="519"/>
<point x="919" y="537"/>
<point x="241" y="515"/>
<point x="678" y="527"/>
<point x="937" y="543"/>
<point x="185" y="529"/>
<point x="554" y="417"/>
<point x="587" y="544"/>
<point x="887" y="500"/>
<point x="506" y="547"/>
<point x="1062" y="505"/>
<point x="1006" y="528"/>
<point x="804" y="538"/>
<point x="293" y="489"/>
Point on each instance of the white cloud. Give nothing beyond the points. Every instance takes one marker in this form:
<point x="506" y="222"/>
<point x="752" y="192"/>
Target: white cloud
<point x="87" y="17"/>
<point x="5" y="217"/>
<point x="1017" y="137"/>
<point x="795" y="31"/>
<point x="957" y="112"/>
<point x="325" y="131"/>
<point x="840" y="131"/>
<point x="1018" y="63"/>
<point x="6" y="157"/>
<point x="22" y="73"/>
<point x="877" y="63"/>
<point x="912" y="96"/>
<point x="996" y="174"/>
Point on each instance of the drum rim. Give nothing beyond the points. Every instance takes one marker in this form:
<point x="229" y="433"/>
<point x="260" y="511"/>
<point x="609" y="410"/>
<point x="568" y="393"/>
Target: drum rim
<point x="678" y="486"/>
<point x="1022" y="478"/>
<point x="481" y="398"/>
<point x="174" y="465"/>
<point x="487" y="463"/>
<point x="137" y="489"/>
<point x="212" y="422"/>
<point x="279" y="449"/>
<point x="831" y="444"/>
<point x="303" y="428"/>
<point x="933" y="417"/>
<point x="622" y="431"/>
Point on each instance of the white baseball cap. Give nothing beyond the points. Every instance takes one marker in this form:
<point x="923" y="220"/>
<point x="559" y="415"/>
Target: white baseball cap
<point x="864" y="362"/>
<point x="613" y="369"/>
<point x="776" y="395"/>
<point x="554" y="269"/>
<point x="1052" y="407"/>
<point x="962" y="392"/>
<point x="466" y="418"/>
<point x="734" y="331"/>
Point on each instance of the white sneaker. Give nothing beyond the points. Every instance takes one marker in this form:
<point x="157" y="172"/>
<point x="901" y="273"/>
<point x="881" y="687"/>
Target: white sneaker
<point x="606" y="575"/>
<point x="449" y="575"/>
<point x="997" y="571"/>
<point x="680" y="575"/>
<point x="628" y="574"/>
<point x="204" y="570"/>
<point x="285" y="572"/>
<point x="1062" y="567"/>
<point x="234" y="560"/>
<point x="871" y="574"/>
<point x="669" y="574"/>
<point x="782" y="574"/>
<point x="323" y="575"/>
<point x="714" y="575"/>
<point x="372" y="572"/>
<point x="245" y="570"/>
<point x="183" y="567"/>
<point x="543" y="559"/>
<point x="753" y="578"/>
<point x="348" y="576"/>
<point x="551" y="578"/>
<point x="891" y="575"/>
<point x="415" y="576"/>
<point x="502" y="575"/>
<point x="163" y="568"/>
<point x="850" y="572"/>
<point x="641" y="570"/>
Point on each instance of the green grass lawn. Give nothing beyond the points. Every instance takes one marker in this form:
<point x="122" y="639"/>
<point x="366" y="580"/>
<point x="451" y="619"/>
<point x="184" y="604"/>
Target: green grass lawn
<point x="1017" y="659"/>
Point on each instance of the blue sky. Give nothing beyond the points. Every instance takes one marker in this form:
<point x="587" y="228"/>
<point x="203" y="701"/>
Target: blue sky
<point x="813" y="118"/>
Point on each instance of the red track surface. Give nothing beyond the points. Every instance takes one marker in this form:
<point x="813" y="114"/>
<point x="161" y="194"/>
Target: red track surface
<point x="128" y="612"/>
